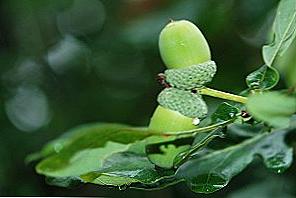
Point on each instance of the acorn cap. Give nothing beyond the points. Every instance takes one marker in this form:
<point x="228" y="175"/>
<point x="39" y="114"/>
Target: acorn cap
<point x="185" y="102"/>
<point x="191" y="77"/>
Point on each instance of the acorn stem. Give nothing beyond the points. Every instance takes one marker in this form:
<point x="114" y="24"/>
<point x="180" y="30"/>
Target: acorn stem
<point x="220" y="94"/>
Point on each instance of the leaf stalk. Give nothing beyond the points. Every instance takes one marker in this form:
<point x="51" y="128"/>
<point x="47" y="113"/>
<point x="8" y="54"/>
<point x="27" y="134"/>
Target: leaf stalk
<point x="220" y="94"/>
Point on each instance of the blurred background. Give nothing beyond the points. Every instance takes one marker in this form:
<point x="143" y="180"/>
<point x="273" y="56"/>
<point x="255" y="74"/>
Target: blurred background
<point x="70" y="62"/>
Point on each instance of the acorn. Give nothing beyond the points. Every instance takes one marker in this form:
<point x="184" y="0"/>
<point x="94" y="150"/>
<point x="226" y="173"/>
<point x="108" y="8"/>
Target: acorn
<point x="181" y="45"/>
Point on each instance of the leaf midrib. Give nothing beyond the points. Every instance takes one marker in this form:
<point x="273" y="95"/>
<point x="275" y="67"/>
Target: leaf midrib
<point x="282" y="40"/>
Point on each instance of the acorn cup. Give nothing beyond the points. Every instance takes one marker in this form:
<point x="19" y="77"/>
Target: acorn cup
<point x="186" y="54"/>
<point x="185" y="102"/>
<point x="191" y="77"/>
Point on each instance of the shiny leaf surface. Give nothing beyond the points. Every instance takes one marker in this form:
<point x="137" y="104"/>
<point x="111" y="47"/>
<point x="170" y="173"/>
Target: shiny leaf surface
<point x="213" y="171"/>
<point x="86" y="148"/>
<point x="263" y="78"/>
<point x="224" y="112"/>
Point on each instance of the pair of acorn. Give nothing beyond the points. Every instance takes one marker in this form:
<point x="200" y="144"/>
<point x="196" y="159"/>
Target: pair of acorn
<point x="186" y="54"/>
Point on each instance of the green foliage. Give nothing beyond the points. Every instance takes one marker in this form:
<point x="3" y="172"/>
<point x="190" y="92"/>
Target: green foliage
<point x="284" y="30"/>
<point x="102" y="154"/>
<point x="263" y="78"/>
<point x="127" y="164"/>
<point x="68" y="182"/>
<point x="224" y="112"/>
<point x="213" y="171"/>
<point x="123" y="169"/>
<point x="163" y="152"/>
<point x="272" y="107"/>
<point x="286" y="65"/>
<point x="200" y="142"/>
<point x="85" y="149"/>
<point x="205" y="157"/>
<point x="172" y="152"/>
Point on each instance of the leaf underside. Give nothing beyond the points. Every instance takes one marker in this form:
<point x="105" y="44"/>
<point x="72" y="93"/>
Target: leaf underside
<point x="284" y="30"/>
<point x="273" y="108"/>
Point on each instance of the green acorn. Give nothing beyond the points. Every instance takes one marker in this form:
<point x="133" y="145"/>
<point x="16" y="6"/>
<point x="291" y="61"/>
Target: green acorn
<point x="185" y="102"/>
<point x="181" y="45"/>
<point x="191" y="77"/>
<point x="167" y="120"/>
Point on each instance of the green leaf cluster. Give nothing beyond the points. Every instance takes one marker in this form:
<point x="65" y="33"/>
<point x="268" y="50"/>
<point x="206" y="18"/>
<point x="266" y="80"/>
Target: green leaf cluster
<point x="115" y="155"/>
<point x="206" y="158"/>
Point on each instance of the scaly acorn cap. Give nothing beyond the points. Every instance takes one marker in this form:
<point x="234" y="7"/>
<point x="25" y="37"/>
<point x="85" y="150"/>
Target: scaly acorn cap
<point x="185" y="102"/>
<point x="191" y="77"/>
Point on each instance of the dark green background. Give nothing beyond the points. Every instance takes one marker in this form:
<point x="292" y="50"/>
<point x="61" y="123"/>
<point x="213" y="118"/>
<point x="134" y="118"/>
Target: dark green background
<point x="65" y="63"/>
